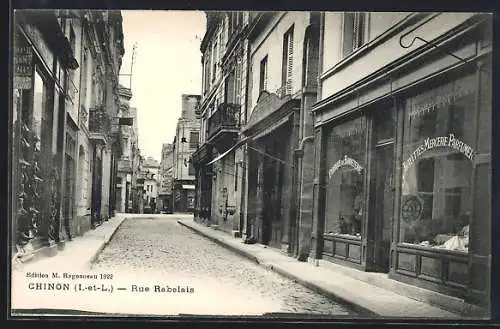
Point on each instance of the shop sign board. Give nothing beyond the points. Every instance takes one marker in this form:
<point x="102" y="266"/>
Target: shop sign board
<point x="23" y="64"/>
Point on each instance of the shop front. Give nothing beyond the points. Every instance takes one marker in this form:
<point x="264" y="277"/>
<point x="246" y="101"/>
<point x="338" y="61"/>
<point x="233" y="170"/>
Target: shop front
<point x="405" y="181"/>
<point x="272" y="137"/>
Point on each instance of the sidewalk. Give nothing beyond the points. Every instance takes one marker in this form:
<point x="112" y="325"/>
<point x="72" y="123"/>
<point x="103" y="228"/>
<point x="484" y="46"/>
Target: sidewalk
<point x="355" y="291"/>
<point x="79" y="253"/>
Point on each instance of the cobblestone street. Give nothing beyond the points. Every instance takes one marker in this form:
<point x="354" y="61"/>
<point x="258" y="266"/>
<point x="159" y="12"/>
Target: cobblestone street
<point x="160" y="249"/>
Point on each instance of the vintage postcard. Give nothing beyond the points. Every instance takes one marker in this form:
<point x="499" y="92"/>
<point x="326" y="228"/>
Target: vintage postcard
<point x="285" y="164"/>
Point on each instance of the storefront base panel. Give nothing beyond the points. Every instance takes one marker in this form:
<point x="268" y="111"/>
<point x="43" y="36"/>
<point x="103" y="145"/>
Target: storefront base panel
<point x="468" y="308"/>
<point x="343" y="261"/>
<point x="445" y="269"/>
<point x="345" y="250"/>
<point x="425" y="283"/>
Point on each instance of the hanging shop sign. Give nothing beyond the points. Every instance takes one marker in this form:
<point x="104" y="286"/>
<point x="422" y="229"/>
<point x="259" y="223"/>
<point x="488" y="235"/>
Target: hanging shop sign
<point x="346" y="161"/>
<point x="449" y="141"/>
<point x="23" y="64"/>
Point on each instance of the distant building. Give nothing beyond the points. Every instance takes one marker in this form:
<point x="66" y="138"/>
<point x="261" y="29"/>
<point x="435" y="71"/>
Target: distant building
<point x="150" y="171"/>
<point x="185" y="143"/>
<point x="165" y="180"/>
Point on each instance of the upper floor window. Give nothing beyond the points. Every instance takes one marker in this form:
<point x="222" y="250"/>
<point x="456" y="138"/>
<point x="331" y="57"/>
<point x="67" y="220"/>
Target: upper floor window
<point x="354" y="34"/>
<point x="72" y="38"/>
<point x="214" y="62"/>
<point x="208" y="71"/>
<point x="229" y="84"/>
<point x="235" y="20"/>
<point x="263" y="74"/>
<point x="287" y="61"/>
<point x="194" y="137"/>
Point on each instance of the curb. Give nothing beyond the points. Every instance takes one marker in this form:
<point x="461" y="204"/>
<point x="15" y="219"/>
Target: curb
<point x="223" y="244"/>
<point x="103" y="245"/>
<point x="360" y="310"/>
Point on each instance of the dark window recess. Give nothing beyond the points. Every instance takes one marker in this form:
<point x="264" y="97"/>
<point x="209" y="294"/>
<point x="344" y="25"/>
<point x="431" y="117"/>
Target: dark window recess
<point x="263" y="74"/>
<point x="194" y="137"/>
<point x="214" y="62"/>
<point x="191" y="171"/>
<point x="229" y="88"/>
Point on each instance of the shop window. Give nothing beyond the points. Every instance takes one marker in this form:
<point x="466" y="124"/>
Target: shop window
<point x="438" y="154"/>
<point x="345" y="172"/>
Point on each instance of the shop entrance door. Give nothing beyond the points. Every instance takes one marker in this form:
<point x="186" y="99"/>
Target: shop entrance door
<point x="381" y="207"/>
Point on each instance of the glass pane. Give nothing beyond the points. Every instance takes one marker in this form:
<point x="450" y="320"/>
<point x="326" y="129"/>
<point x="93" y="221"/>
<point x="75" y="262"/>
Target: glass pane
<point x="345" y="178"/>
<point x="38" y="104"/>
<point x="482" y="209"/>
<point x="384" y="123"/>
<point x="437" y="166"/>
<point x="485" y="116"/>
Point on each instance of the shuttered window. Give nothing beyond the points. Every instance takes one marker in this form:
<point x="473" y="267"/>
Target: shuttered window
<point x="353" y="32"/>
<point x="287" y="64"/>
<point x="237" y="91"/>
<point x="263" y="74"/>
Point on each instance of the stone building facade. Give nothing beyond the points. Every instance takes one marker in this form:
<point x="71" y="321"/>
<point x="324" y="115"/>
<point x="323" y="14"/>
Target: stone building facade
<point x="185" y="143"/>
<point x="403" y="152"/>
<point x="366" y="142"/>
<point x="66" y="66"/>
<point x="166" y="178"/>
<point x="219" y="160"/>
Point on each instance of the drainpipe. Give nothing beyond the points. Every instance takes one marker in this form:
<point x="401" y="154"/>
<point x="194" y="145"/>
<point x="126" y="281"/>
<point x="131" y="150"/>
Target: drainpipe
<point x="299" y="154"/>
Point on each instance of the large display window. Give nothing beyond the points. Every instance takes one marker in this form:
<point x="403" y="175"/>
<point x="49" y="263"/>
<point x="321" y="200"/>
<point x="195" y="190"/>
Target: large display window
<point x="438" y="160"/>
<point x="345" y="170"/>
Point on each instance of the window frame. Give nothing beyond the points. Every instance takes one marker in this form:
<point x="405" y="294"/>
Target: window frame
<point x="263" y="69"/>
<point x="360" y="19"/>
<point x="287" y="60"/>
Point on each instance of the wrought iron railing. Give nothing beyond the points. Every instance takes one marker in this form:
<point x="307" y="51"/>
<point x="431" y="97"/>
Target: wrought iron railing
<point x="99" y="121"/>
<point x="227" y="116"/>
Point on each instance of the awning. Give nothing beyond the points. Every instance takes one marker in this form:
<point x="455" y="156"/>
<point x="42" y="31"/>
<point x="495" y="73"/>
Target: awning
<point x="188" y="187"/>
<point x="231" y="149"/>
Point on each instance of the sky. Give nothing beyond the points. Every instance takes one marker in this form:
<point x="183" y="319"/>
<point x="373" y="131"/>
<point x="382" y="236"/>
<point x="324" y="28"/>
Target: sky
<point x="167" y="64"/>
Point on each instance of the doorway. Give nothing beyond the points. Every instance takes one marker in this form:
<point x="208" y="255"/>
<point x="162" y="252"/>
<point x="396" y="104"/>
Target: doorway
<point x="381" y="188"/>
<point x="382" y="205"/>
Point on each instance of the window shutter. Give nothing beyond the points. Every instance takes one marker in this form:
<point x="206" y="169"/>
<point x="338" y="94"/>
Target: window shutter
<point x="238" y="82"/>
<point x="355" y="32"/>
<point x="289" y="63"/>
<point x="265" y="74"/>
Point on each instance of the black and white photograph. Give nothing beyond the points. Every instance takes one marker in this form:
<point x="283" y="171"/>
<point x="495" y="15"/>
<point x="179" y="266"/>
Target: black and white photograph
<point x="252" y="164"/>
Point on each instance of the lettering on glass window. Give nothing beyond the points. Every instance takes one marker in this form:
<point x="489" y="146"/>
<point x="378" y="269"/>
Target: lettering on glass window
<point x="437" y="165"/>
<point x="345" y="174"/>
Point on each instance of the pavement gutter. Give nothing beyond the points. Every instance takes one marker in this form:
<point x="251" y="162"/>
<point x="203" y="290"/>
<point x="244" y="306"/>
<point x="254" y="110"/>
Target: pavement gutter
<point x="360" y="310"/>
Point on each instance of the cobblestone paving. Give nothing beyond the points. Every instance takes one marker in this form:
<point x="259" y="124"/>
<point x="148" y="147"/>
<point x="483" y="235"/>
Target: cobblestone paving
<point x="164" y="248"/>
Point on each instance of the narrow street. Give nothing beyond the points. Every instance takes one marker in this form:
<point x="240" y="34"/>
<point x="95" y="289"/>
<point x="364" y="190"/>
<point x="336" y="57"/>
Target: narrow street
<point x="159" y="249"/>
